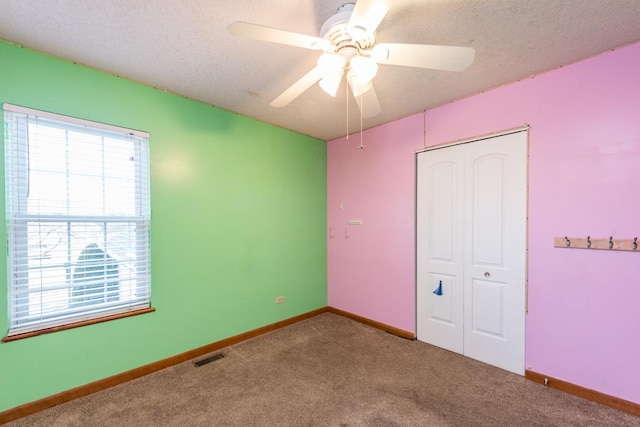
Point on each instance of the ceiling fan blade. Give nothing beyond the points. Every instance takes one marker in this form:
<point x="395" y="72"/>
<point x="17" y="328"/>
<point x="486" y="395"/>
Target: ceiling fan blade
<point x="368" y="103"/>
<point x="448" y="58"/>
<point x="297" y="88"/>
<point x="368" y="14"/>
<point x="274" y="35"/>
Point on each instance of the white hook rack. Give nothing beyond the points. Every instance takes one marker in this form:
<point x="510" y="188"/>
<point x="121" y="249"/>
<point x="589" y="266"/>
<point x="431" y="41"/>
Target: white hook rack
<point x="604" y="243"/>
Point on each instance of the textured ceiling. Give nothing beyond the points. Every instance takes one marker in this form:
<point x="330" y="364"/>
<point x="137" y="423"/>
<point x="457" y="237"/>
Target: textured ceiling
<point x="182" y="46"/>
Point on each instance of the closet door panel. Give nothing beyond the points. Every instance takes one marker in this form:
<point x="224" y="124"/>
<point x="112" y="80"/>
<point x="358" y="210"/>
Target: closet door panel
<point x="495" y="251"/>
<point x="439" y="248"/>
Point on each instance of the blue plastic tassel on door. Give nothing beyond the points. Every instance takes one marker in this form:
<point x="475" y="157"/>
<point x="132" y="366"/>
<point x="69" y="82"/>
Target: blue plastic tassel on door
<point x="438" y="291"/>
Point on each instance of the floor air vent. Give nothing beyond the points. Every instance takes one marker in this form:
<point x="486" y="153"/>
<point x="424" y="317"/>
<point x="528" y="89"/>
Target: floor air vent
<point x="209" y="359"/>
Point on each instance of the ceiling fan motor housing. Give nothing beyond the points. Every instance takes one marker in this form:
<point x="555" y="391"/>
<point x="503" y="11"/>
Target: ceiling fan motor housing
<point x="354" y="40"/>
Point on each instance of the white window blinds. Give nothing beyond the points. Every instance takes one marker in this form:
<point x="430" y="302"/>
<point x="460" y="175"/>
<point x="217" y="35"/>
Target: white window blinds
<point x="78" y="216"/>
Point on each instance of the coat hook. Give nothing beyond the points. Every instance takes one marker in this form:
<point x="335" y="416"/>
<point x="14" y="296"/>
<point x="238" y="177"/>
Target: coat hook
<point x="610" y="242"/>
<point x="588" y="241"/>
<point x="567" y="242"/>
<point x="634" y="245"/>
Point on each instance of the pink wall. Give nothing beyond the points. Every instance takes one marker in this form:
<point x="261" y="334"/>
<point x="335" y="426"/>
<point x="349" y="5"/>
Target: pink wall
<point x="371" y="266"/>
<point x="583" y="324"/>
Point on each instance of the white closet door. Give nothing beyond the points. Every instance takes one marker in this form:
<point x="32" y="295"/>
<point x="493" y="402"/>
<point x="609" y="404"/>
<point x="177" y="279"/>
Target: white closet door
<point x="495" y="251"/>
<point x="440" y="247"/>
<point x="471" y="236"/>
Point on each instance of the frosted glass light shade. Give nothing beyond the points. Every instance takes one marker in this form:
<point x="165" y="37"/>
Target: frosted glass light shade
<point x="330" y="84"/>
<point x="362" y="70"/>
<point x="365" y="67"/>
<point x="357" y="87"/>
<point x="331" y="68"/>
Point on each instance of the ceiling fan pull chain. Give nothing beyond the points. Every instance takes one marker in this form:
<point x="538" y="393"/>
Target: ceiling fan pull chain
<point x="347" y="103"/>
<point x="362" y="108"/>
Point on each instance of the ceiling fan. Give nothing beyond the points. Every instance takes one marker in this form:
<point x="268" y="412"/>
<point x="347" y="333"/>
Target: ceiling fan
<point x="347" y="40"/>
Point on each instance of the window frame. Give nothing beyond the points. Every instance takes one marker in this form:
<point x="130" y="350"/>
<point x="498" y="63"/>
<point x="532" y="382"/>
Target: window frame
<point x="17" y="174"/>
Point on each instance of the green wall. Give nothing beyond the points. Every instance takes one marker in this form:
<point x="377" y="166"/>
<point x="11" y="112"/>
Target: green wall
<point x="238" y="218"/>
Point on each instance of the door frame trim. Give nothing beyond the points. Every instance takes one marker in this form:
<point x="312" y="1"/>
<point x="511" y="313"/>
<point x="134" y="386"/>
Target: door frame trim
<point x="477" y="138"/>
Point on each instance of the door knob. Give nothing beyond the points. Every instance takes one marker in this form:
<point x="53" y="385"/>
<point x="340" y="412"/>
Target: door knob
<point x="487" y="274"/>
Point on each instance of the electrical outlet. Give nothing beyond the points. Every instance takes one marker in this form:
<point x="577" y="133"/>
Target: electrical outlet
<point x="279" y="300"/>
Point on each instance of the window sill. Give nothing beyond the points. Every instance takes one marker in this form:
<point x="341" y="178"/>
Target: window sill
<point x="77" y="324"/>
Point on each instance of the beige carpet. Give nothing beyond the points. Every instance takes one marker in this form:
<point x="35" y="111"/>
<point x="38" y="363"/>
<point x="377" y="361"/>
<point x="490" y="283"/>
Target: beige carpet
<point x="331" y="371"/>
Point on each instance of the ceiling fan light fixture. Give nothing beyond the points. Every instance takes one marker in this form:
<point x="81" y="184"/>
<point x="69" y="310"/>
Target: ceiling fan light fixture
<point x="358" y="87"/>
<point x="330" y="63"/>
<point x="331" y="68"/>
<point x="330" y="84"/>
<point x="362" y="69"/>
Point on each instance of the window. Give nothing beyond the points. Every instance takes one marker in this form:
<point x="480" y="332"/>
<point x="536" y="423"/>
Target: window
<point x="78" y="215"/>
